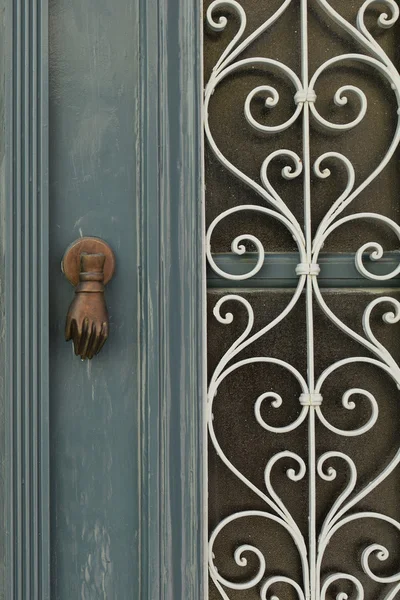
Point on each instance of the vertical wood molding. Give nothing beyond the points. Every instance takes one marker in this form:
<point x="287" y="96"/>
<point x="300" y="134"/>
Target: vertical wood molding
<point x="25" y="361"/>
<point x="172" y="281"/>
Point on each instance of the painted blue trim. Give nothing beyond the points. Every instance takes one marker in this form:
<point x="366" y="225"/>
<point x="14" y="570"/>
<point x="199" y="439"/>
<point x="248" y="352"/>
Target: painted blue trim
<point x="172" y="303"/>
<point x="25" y="358"/>
<point x="278" y="271"/>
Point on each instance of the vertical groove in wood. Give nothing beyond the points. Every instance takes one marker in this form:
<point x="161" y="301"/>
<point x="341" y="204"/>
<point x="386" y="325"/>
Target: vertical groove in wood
<point x="35" y="547"/>
<point x="26" y="305"/>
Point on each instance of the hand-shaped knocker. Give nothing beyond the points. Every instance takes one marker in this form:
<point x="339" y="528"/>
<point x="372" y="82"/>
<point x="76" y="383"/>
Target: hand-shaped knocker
<point x="88" y="264"/>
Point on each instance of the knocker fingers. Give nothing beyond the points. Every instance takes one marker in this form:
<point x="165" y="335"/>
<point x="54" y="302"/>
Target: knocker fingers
<point x="98" y="338"/>
<point x="88" y="336"/>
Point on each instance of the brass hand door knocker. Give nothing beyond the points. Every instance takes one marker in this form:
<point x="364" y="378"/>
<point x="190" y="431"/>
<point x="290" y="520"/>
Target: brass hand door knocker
<point x="88" y="264"/>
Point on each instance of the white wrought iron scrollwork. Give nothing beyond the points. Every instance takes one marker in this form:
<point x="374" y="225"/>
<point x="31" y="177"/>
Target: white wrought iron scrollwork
<point x="345" y="507"/>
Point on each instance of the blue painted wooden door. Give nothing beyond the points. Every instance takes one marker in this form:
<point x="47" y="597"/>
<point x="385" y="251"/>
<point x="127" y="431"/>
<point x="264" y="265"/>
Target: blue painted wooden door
<point x="101" y="461"/>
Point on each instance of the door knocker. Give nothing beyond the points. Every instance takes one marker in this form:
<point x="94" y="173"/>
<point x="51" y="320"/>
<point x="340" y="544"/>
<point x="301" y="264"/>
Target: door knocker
<point x="88" y="264"/>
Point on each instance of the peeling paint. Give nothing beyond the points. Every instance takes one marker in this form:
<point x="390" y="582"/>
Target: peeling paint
<point x="97" y="571"/>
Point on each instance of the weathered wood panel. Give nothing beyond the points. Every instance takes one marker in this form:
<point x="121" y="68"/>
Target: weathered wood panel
<point x="94" y="90"/>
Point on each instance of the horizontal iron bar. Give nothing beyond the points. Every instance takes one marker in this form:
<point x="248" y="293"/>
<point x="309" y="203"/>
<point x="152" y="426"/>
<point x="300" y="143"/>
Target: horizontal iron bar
<point x="279" y="271"/>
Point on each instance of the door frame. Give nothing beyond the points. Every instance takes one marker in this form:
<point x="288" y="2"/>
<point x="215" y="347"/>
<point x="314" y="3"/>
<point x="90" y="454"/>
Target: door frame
<point x="24" y="300"/>
<point x="173" y="286"/>
<point x="171" y="436"/>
